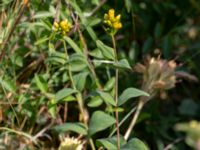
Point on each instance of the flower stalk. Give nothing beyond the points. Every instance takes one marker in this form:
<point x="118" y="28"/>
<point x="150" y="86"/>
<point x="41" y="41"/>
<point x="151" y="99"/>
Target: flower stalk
<point x="78" y="96"/>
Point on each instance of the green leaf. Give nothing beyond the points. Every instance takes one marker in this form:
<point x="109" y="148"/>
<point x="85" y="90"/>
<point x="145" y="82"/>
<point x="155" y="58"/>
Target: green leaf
<point x="147" y="45"/>
<point x="8" y="84"/>
<point x="128" y="4"/>
<point x="135" y="144"/>
<point x="41" y="40"/>
<point x="124" y="64"/>
<point x="77" y="62"/>
<point x="185" y="107"/>
<point x="167" y="46"/>
<point x="73" y="44"/>
<point x="157" y="31"/>
<point x="130" y="93"/>
<point x="111" y="142"/>
<point x="99" y="122"/>
<point x="69" y="98"/>
<point x="97" y="53"/>
<point x="107" y="51"/>
<point x="51" y="48"/>
<point x="75" y="127"/>
<point x="106" y="144"/>
<point x="110" y="84"/>
<point x="95" y="2"/>
<point x="43" y="14"/>
<point x="107" y="98"/>
<point x="64" y="93"/>
<point x="52" y="108"/>
<point x="56" y="57"/>
<point x="41" y="83"/>
<point x="80" y="80"/>
<point x="95" y="101"/>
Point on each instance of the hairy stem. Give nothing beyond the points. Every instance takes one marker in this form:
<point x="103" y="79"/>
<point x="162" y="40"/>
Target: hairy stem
<point x="78" y="95"/>
<point x="116" y="93"/>
<point x="90" y="65"/>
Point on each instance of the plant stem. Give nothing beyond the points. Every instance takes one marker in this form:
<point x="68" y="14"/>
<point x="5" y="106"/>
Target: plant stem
<point x="116" y="93"/>
<point x="123" y="120"/>
<point x="134" y="119"/>
<point x="17" y="132"/>
<point x="78" y="96"/>
<point x="90" y="65"/>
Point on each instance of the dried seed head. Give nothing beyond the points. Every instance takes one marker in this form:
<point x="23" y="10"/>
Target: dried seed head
<point x="71" y="144"/>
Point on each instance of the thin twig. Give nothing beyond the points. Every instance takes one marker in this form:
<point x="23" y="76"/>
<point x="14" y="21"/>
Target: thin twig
<point x="169" y="146"/>
<point x="58" y="5"/>
<point x="135" y="117"/>
<point x="17" y="132"/>
<point x="98" y="7"/>
<point x="123" y="120"/>
<point x="41" y="132"/>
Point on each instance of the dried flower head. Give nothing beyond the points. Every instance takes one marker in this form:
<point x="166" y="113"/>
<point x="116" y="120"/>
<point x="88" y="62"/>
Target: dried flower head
<point x="158" y="75"/>
<point x="71" y="144"/>
<point x="112" y="22"/>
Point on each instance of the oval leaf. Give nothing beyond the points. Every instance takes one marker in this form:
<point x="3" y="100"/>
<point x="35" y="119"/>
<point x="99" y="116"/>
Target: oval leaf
<point x="75" y="127"/>
<point x="107" y="98"/>
<point x="41" y="83"/>
<point x="100" y="121"/>
<point x="73" y="44"/>
<point x="64" y="93"/>
<point x="107" y="51"/>
<point x="135" y="144"/>
<point x="130" y="93"/>
<point x="95" y="101"/>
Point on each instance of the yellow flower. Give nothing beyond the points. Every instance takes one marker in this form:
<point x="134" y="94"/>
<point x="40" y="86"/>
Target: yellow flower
<point x="112" y="22"/>
<point x="63" y="27"/>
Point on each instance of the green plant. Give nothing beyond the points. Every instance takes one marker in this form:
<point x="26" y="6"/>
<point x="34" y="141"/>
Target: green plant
<point x="70" y="73"/>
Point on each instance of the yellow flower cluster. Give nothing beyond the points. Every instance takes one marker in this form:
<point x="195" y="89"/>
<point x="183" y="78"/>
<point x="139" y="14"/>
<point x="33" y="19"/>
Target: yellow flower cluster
<point x="111" y="21"/>
<point x="64" y="26"/>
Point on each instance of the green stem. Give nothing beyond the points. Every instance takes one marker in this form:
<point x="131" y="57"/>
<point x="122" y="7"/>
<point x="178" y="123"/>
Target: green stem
<point x="123" y="120"/>
<point x="90" y="65"/>
<point x="78" y="95"/>
<point x="116" y="93"/>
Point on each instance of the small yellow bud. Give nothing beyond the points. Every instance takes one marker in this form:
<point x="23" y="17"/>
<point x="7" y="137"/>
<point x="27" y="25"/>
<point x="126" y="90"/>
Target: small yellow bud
<point x="118" y="17"/>
<point x="111" y="13"/>
<point x="56" y="25"/>
<point x="64" y="24"/>
<point x="105" y="16"/>
<point x="117" y="25"/>
<point x="64" y="32"/>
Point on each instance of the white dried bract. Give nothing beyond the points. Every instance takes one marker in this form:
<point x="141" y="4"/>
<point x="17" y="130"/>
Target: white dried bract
<point x="71" y="144"/>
